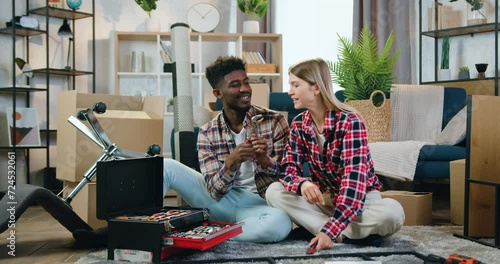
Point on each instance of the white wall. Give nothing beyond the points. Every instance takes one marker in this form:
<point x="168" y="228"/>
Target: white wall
<point x="310" y="30"/>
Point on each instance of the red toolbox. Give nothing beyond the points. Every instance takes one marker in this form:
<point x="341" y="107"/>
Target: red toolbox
<point x="130" y="198"/>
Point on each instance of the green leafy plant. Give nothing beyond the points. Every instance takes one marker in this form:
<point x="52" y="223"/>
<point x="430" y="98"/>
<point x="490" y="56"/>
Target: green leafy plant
<point x="171" y="101"/>
<point x="361" y="69"/>
<point x="253" y="8"/>
<point x="445" y="53"/>
<point x="476" y="5"/>
<point x="147" y="5"/>
<point x="464" y="68"/>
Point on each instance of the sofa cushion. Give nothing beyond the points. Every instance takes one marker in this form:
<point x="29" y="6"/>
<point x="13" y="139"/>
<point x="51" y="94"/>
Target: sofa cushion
<point x="432" y="170"/>
<point x="454" y="101"/>
<point x="455" y="130"/>
<point x="441" y="153"/>
<point x="283" y="102"/>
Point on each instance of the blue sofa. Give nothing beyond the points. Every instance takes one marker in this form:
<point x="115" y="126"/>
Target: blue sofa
<point x="434" y="160"/>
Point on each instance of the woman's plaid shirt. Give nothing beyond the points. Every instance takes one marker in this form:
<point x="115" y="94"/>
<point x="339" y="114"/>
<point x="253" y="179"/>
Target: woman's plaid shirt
<point x="344" y="169"/>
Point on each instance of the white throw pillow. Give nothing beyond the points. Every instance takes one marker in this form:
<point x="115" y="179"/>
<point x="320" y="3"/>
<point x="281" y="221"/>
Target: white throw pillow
<point x="455" y="130"/>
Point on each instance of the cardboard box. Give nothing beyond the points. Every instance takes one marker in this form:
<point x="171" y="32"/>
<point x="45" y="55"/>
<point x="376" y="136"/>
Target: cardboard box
<point x="84" y="203"/>
<point x="129" y="121"/>
<point x="260" y="68"/>
<point x="457" y="190"/>
<point x="417" y="206"/>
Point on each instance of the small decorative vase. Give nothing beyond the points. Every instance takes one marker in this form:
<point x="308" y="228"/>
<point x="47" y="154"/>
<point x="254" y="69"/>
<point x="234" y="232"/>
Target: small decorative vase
<point x="251" y="26"/>
<point x="444" y="74"/>
<point x="153" y="24"/>
<point x="463" y="75"/>
<point x="170" y="108"/>
<point x="475" y="17"/>
<point x="481" y="69"/>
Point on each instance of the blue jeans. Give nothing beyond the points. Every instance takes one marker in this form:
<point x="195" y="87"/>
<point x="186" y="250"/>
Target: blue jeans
<point x="262" y="223"/>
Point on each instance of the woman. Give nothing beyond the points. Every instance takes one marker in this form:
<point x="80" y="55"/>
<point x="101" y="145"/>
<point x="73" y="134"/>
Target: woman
<point x="341" y="201"/>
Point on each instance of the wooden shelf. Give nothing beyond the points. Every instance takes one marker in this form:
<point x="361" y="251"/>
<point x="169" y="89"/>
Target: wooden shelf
<point x="22" y="89"/>
<point x="472" y="86"/>
<point x="22" y="32"/>
<point x="459" y="31"/>
<point x="64" y="72"/>
<point x="59" y="12"/>
<point x="202" y="44"/>
<point x="24" y="147"/>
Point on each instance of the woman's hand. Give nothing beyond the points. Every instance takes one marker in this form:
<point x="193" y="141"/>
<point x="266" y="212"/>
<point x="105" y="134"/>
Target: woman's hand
<point x="321" y="241"/>
<point x="311" y="193"/>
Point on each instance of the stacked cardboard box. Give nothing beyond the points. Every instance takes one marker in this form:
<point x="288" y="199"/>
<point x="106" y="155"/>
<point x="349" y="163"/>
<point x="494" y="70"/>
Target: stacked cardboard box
<point x="417" y="206"/>
<point x="457" y="190"/>
<point x="131" y="122"/>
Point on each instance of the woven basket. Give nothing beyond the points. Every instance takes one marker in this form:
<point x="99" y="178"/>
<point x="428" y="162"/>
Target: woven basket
<point x="377" y="119"/>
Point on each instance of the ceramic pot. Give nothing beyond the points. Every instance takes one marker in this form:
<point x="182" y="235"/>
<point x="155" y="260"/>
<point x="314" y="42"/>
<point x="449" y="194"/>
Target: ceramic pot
<point x="251" y="26"/>
<point x="153" y="24"/>
<point x="475" y="17"/>
<point x="444" y="75"/>
<point x="481" y="69"/>
<point x="463" y="75"/>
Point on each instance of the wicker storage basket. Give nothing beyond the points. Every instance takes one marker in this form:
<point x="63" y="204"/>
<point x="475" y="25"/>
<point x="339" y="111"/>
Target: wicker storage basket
<point x="377" y="119"/>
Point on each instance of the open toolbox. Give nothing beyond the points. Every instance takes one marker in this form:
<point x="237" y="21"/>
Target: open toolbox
<point x="130" y="198"/>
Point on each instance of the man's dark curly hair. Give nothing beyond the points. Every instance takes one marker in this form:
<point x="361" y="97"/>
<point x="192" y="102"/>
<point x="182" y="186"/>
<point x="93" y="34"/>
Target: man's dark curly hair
<point x="222" y="66"/>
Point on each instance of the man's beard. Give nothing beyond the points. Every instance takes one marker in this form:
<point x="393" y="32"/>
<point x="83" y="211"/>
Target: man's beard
<point x="240" y="109"/>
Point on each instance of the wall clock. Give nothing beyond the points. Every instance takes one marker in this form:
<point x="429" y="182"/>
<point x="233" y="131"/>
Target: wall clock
<point x="203" y="17"/>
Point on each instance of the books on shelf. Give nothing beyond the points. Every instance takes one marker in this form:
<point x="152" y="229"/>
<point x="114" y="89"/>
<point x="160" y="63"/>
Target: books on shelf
<point x="255" y="63"/>
<point x="166" y="52"/>
<point x="252" y="57"/>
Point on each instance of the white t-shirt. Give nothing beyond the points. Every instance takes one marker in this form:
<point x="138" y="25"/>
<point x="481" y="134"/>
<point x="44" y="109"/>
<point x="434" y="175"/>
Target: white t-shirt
<point x="244" y="177"/>
<point x="321" y="139"/>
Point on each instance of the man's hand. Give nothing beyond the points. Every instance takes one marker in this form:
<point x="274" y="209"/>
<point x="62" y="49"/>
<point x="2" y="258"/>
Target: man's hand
<point x="322" y="241"/>
<point x="241" y="153"/>
<point x="311" y="193"/>
<point x="260" y="147"/>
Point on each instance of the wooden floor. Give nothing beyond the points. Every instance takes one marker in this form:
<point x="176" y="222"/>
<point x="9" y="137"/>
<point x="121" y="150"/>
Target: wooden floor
<point x="39" y="238"/>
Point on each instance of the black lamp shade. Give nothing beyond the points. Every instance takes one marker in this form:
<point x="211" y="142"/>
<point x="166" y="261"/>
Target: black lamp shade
<point x="65" y="30"/>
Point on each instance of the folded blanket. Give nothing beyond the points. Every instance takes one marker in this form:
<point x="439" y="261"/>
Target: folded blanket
<point x="396" y="160"/>
<point x="416" y="112"/>
<point x="416" y="116"/>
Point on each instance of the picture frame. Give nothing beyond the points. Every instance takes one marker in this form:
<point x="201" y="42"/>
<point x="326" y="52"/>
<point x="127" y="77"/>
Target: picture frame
<point x="56" y="3"/>
<point x="27" y="129"/>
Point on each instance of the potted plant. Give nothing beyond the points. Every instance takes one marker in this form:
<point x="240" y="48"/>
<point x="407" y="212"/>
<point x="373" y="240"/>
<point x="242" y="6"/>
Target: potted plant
<point x="253" y="9"/>
<point x="170" y="105"/>
<point x="152" y="24"/>
<point x="474" y="16"/>
<point x="444" y="72"/>
<point x="463" y="74"/>
<point x="361" y="69"/>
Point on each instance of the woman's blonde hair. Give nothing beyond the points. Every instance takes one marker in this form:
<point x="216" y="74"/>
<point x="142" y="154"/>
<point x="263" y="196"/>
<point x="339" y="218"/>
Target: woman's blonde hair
<point x="316" y="71"/>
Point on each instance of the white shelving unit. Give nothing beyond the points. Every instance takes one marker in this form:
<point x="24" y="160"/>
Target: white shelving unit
<point x="204" y="48"/>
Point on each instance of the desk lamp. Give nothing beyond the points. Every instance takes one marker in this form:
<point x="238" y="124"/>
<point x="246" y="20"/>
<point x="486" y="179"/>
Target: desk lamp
<point x="65" y="32"/>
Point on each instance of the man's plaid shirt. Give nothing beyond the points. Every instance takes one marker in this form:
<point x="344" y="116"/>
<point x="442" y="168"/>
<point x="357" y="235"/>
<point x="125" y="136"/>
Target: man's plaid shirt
<point x="215" y="143"/>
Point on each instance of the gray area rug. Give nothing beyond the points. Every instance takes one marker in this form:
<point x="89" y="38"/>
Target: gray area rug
<point x="438" y="240"/>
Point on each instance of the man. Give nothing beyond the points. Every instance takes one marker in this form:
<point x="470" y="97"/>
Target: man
<point x="236" y="167"/>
